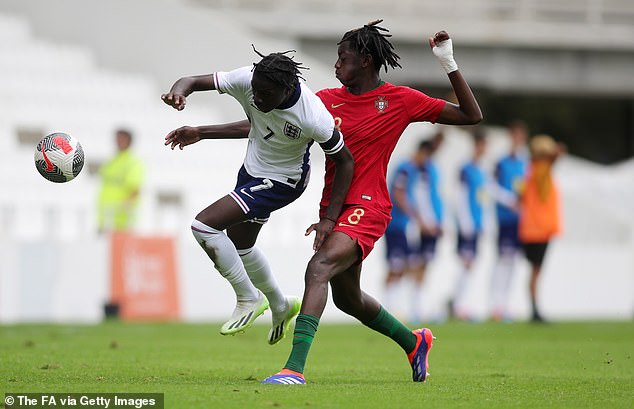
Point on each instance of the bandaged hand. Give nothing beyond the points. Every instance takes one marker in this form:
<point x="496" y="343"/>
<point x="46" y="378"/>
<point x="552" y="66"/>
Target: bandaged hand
<point x="442" y="48"/>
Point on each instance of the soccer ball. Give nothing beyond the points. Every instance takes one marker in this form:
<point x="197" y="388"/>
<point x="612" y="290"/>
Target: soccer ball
<point x="59" y="157"/>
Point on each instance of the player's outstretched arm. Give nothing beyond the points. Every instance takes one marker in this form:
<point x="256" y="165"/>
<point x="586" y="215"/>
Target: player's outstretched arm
<point x="344" y="170"/>
<point x="467" y="112"/>
<point x="187" y="135"/>
<point x="177" y="95"/>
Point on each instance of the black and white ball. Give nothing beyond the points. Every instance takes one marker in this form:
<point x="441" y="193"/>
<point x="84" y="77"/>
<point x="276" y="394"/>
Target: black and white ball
<point x="59" y="157"/>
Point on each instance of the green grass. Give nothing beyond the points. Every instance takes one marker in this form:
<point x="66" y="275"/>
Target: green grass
<point x="490" y="365"/>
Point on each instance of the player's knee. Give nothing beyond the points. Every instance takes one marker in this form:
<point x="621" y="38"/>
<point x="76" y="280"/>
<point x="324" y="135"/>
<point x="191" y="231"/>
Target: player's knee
<point x="204" y="234"/>
<point x="315" y="277"/>
<point x="320" y="269"/>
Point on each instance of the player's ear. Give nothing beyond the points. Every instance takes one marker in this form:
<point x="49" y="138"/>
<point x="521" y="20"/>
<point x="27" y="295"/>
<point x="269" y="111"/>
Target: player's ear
<point x="367" y="60"/>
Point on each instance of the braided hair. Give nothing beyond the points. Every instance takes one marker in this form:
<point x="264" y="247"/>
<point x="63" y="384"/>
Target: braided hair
<point x="373" y="40"/>
<point x="279" y="68"/>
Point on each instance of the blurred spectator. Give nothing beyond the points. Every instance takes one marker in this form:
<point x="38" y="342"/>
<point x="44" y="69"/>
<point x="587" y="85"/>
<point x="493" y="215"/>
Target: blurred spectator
<point x="417" y="208"/>
<point x="510" y="171"/>
<point x="431" y="212"/>
<point x="121" y="180"/>
<point x="470" y="203"/>
<point x="540" y="217"/>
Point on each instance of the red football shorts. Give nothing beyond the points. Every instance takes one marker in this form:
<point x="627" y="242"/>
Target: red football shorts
<point x="365" y="224"/>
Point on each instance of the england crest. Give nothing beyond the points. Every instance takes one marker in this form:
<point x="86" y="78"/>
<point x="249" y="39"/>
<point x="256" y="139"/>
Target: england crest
<point x="292" y="131"/>
<point x="381" y="104"/>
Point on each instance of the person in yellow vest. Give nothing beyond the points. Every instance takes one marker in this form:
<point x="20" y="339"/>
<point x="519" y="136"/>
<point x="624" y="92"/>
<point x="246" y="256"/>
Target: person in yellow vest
<point x="540" y="214"/>
<point x="121" y="180"/>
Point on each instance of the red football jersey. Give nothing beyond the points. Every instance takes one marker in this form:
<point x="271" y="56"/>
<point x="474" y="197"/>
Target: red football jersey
<point x="371" y="125"/>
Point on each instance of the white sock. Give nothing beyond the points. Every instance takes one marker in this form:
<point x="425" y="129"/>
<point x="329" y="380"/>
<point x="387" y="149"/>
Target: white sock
<point x="501" y="282"/>
<point x="461" y="289"/>
<point x="416" y="302"/>
<point x="223" y="253"/>
<point x="391" y="295"/>
<point x="259" y="271"/>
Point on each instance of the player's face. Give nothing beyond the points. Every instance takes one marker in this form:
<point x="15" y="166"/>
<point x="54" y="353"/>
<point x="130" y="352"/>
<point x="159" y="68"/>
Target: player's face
<point x="267" y="95"/>
<point x="348" y="65"/>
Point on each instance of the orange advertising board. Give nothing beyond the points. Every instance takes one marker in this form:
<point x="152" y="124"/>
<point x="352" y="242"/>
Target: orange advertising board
<point x="143" y="277"/>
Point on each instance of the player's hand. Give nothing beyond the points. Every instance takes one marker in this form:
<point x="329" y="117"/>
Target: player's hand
<point x="181" y="137"/>
<point x="438" y="38"/>
<point x="322" y="231"/>
<point x="422" y="228"/>
<point x="442" y="48"/>
<point x="176" y="101"/>
<point x="429" y="230"/>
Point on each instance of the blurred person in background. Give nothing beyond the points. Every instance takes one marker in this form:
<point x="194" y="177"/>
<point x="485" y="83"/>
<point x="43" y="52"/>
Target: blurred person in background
<point x="509" y="174"/>
<point x="431" y="211"/>
<point x="416" y="207"/>
<point x="470" y="214"/>
<point x="540" y="210"/>
<point x="121" y="182"/>
<point x="284" y="119"/>
<point x="398" y="245"/>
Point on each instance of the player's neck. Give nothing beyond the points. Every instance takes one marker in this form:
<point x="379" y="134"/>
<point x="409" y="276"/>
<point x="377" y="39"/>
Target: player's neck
<point x="367" y="85"/>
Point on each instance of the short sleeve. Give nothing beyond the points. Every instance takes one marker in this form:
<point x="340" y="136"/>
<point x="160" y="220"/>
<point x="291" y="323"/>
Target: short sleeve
<point x="324" y="126"/>
<point x="422" y="107"/>
<point x="234" y="82"/>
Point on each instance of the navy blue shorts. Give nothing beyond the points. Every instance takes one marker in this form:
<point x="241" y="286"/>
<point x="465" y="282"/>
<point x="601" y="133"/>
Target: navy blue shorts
<point x="259" y="197"/>
<point x="508" y="239"/>
<point x="398" y="249"/>
<point x="467" y="247"/>
<point x="426" y="249"/>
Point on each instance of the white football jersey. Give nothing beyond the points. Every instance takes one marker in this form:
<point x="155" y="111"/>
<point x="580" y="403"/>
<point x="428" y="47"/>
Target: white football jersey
<point x="279" y="140"/>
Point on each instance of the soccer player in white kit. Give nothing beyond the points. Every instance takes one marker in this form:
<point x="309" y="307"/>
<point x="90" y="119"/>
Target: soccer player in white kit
<point x="285" y="118"/>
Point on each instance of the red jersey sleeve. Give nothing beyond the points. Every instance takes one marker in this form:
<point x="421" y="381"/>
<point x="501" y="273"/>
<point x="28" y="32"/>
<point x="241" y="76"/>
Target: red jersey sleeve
<point x="422" y="107"/>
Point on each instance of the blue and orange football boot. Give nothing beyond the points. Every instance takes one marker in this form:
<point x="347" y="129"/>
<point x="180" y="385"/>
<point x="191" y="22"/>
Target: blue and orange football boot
<point x="419" y="357"/>
<point x="286" y="377"/>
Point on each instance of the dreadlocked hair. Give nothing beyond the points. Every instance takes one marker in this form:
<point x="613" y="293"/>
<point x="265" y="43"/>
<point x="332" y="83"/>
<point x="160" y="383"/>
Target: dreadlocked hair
<point x="373" y="40"/>
<point x="279" y="68"/>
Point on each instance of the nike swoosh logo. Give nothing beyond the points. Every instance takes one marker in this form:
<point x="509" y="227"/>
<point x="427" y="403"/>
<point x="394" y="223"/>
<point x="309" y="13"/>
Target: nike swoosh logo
<point x="333" y="106"/>
<point x="245" y="193"/>
<point x="343" y="224"/>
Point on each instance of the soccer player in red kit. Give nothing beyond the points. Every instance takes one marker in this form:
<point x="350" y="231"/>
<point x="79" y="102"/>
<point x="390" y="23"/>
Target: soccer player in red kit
<point x="371" y="115"/>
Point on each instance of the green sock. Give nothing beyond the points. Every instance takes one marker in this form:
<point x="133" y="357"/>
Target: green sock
<point x="389" y="326"/>
<point x="305" y="328"/>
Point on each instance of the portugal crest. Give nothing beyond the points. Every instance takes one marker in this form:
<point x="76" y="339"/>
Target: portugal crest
<point x="381" y="104"/>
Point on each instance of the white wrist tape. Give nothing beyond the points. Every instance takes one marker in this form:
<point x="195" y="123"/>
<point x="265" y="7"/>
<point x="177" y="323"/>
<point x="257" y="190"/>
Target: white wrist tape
<point x="444" y="52"/>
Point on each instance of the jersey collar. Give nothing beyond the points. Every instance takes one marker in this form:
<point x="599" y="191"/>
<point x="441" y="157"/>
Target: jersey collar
<point x="293" y="98"/>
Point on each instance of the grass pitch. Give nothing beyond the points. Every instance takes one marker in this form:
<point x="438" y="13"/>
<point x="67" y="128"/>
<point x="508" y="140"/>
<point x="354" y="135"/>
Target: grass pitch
<point x="489" y="365"/>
